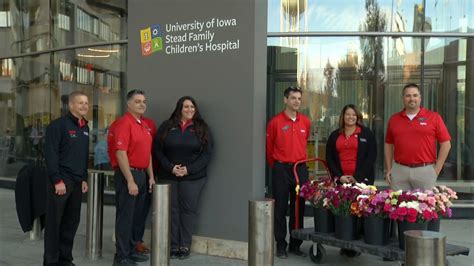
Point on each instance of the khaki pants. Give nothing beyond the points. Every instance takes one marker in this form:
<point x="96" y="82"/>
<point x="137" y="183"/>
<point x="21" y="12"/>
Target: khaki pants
<point x="406" y="178"/>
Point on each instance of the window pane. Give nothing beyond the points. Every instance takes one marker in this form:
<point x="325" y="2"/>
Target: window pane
<point x="447" y="62"/>
<point x="24" y="111"/>
<point x="344" y="15"/>
<point x="28" y="27"/>
<point x="24" y="27"/>
<point x="450" y="16"/>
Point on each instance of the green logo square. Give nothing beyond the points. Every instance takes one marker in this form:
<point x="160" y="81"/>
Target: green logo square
<point x="156" y="44"/>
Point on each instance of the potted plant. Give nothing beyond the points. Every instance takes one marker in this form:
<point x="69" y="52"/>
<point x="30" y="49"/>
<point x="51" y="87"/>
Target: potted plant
<point x="412" y="210"/>
<point x="315" y="191"/>
<point x="444" y="197"/>
<point x="370" y="206"/>
<point x="340" y="200"/>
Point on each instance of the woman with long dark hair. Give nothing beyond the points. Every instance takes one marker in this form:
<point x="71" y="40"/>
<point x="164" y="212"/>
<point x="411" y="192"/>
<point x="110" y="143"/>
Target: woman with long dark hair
<point x="183" y="148"/>
<point x="351" y="151"/>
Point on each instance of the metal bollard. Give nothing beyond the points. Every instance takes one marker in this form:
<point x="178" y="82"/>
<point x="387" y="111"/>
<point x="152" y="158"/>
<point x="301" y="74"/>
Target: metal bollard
<point x="160" y="225"/>
<point x="95" y="199"/>
<point x="260" y="247"/>
<point x="35" y="233"/>
<point x="425" y="248"/>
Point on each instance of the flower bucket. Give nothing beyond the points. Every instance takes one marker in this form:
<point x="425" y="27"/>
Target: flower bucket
<point x="323" y="220"/>
<point x="346" y="227"/>
<point x="376" y="230"/>
<point x="434" y="225"/>
<point x="406" y="226"/>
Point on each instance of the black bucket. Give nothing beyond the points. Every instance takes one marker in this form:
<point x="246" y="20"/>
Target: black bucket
<point x="376" y="231"/>
<point x="323" y="220"/>
<point x="406" y="226"/>
<point x="434" y="225"/>
<point x="346" y="227"/>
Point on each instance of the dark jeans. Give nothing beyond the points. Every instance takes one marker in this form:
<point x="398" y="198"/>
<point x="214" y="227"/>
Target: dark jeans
<point x="283" y="185"/>
<point x="63" y="214"/>
<point x="184" y="209"/>
<point x="128" y="211"/>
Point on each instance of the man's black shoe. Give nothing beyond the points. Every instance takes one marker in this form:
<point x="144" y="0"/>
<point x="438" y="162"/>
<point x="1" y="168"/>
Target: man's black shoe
<point x="184" y="253"/>
<point x="136" y="257"/>
<point x="296" y="251"/>
<point x="281" y="254"/>
<point x="174" y="253"/>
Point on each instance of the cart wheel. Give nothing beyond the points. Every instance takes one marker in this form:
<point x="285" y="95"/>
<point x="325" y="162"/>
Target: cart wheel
<point x="318" y="256"/>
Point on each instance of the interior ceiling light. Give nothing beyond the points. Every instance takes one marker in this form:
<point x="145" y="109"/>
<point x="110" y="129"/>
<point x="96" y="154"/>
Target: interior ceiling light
<point x="103" y="50"/>
<point x="93" y="56"/>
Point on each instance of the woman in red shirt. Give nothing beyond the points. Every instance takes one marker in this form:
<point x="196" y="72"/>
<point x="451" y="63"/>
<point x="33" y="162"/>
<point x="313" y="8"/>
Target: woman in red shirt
<point x="351" y="149"/>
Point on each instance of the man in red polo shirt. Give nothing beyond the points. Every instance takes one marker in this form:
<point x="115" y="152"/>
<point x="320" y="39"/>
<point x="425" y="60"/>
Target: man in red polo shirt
<point x="287" y="137"/>
<point x="139" y="230"/>
<point x="131" y="159"/>
<point x="410" y="144"/>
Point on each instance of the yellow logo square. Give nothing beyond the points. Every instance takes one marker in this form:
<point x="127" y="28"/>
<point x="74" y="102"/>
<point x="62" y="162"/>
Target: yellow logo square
<point x="145" y="35"/>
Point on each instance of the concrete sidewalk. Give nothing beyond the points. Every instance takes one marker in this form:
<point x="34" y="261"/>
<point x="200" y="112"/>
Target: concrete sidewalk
<point x="17" y="249"/>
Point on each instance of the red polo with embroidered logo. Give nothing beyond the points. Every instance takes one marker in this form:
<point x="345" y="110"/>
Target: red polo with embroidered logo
<point x="414" y="141"/>
<point x="347" y="149"/>
<point x="287" y="139"/>
<point x="133" y="136"/>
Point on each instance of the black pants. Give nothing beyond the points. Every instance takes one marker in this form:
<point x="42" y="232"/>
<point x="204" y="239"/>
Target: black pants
<point x="63" y="214"/>
<point x="128" y="212"/>
<point x="184" y="210"/>
<point x="283" y="185"/>
<point x="139" y="229"/>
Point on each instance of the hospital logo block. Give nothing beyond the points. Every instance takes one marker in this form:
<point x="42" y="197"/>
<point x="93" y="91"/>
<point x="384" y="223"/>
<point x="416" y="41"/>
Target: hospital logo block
<point x="151" y="39"/>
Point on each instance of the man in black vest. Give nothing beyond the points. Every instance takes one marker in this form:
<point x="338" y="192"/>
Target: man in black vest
<point x="66" y="154"/>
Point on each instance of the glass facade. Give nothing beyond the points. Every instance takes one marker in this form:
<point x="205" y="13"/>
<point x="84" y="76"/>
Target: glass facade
<point x="42" y="63"/>
<point x="370" y="71"/>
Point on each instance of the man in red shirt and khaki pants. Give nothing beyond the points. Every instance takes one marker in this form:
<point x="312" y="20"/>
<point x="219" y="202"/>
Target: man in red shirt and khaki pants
<point x="410" y="144"/>
<point x="287" y="137"/>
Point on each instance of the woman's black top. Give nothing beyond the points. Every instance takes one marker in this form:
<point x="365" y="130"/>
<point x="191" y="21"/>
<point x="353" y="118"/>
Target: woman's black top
<point x="181" y="147"/>
<point x="366" y="155"/>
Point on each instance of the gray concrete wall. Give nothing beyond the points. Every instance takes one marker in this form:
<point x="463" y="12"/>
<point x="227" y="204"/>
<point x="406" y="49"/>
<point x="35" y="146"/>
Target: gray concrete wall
<point x="230" y="88"/>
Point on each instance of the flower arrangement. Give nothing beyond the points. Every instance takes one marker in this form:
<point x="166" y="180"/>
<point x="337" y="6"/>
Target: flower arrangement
<point x="315" y="191"/>
<point x="340" y="199"/>
<point x="412" y="206"/>
<point x="444" y="197"/>
<point x="371" y="202"/>
<point x="363" y="200"/>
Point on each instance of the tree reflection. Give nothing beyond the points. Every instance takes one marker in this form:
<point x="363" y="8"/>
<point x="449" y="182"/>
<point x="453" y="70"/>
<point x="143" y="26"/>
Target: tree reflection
<point x="372" y="69"/>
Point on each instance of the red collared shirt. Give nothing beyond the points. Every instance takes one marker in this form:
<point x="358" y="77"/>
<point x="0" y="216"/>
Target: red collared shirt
<point x="135" y="137"/>
<point x="287" y="139"/>
<point x="347" y="150"/>
<point x="184" y="125"/>
<point x="414" y="141"/>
